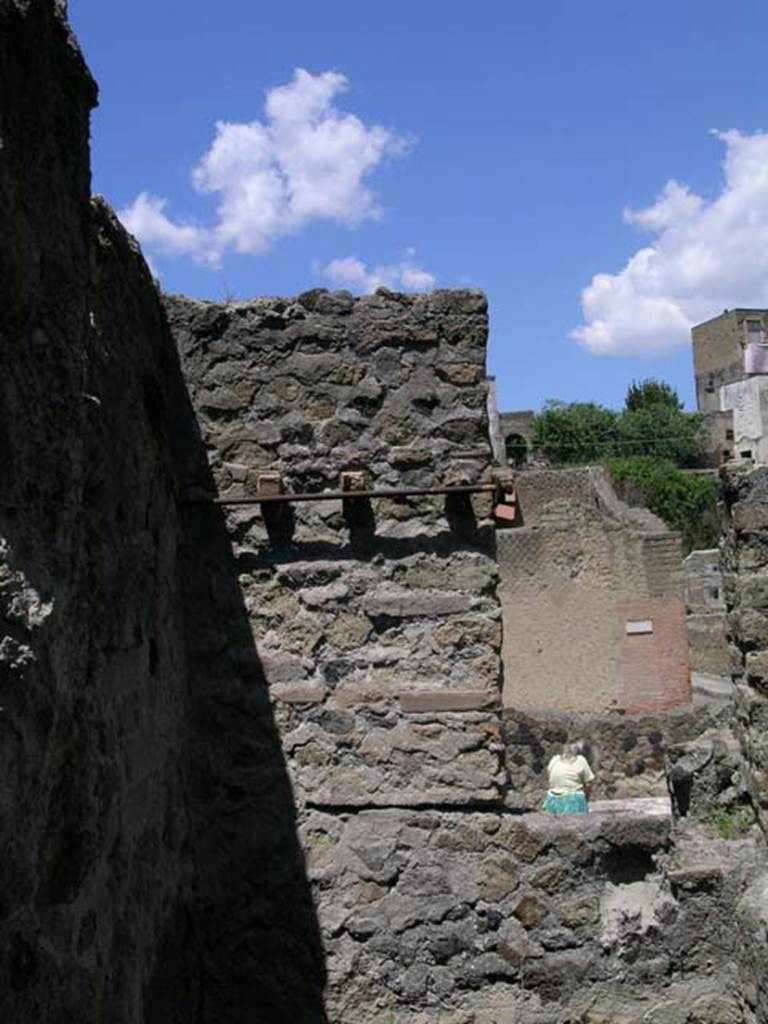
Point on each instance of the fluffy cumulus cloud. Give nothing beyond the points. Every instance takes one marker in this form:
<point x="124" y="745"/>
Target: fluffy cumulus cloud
<point x="306" y="161"/>
<point x="350" y="272"/>
<point x="703" y="256"/>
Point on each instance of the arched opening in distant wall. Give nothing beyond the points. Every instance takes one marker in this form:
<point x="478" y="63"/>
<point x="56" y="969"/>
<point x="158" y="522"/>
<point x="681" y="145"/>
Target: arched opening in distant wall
<point x="516" y="448"/>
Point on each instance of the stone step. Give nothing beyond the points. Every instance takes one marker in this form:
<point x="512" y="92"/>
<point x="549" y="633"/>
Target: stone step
<point x="645" y="805"/>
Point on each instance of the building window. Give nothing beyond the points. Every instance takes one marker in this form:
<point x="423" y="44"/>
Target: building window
<point x="727" y="455"/>
<point x="729" y="435"/>
<point x="754" y="327"/>
<point x="746" y="454"/>
<point x="714" y="593"/>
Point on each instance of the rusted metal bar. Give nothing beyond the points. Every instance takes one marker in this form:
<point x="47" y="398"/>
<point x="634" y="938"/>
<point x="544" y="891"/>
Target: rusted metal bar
<point x="349" y="495"/>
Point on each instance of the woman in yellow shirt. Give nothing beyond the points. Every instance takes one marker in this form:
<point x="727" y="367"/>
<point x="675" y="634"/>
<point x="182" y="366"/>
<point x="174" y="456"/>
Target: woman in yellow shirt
<point x="569" y="779"/>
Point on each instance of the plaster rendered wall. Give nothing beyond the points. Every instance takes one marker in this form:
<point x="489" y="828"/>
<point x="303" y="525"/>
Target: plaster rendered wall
<point x="580" y="568"/>
<point x="95" y="868"/>
<point x="705" y="600"/>
<point x="747" y="400"/>
<point x="718" y="437"/>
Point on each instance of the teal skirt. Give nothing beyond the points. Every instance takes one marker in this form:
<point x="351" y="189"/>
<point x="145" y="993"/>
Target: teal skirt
<point x="569" y="803"/>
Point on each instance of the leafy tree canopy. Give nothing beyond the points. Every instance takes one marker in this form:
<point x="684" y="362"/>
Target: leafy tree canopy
<point x="650" y="394"/>
<point x="645" y="447"/>
<point x="687" y="502"/>
<point x="652" y="423"/>
<point x="574" y="432"/>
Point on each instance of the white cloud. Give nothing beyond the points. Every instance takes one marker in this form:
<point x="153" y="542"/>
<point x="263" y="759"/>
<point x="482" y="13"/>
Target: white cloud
<point x="350" y="272"/>
<point x="704" y="256"/>
<point x="146" y="220"/>
<point x="306" y="161"/>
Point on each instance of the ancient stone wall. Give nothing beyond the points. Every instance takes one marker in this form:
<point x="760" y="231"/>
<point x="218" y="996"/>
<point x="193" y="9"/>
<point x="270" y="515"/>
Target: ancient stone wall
<point x="745" y="568"/>
<point x="515" y="430"/>
<point x="372" y="625"/>
<point x="479" y="918"/>
<point x="376" y="622"/>
<point x="594" y="616"/>
<point x="627" y="752"/>
<point x="160" y="664"/>
<point x="374" y="629"/>
<point x="95" y="865"/>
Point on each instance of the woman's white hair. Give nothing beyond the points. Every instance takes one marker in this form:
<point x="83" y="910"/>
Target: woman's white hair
<point x="571" y="750"/>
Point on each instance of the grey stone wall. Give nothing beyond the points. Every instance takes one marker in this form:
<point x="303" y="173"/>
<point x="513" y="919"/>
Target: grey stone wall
<point x="161" y="862"/>
<point x="627" y="752"/>
<point x="481" y="918"/>
<point x="374" y="630"/>
<point x="376" y="622"/>
<point x="369" y="630"/>
<point x="95" y="867"/>
<point x="745" y="567"/>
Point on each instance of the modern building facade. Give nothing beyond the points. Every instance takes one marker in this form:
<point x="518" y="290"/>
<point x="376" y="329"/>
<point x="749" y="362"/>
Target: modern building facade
<point x="730" y="358"/>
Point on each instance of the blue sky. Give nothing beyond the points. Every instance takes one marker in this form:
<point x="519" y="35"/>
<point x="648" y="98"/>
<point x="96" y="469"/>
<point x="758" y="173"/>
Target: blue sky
<point x="492" y="145"/>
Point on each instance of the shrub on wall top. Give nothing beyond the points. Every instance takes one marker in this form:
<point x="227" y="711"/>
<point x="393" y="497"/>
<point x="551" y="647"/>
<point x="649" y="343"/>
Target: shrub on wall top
<point x="685" y="501"/>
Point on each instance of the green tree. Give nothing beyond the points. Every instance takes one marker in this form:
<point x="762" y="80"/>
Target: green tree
<point x="663" y="432"/>
<point x="574" y="432"/>
<point x="652" y="423"/>
<point x="686" y="502"/>
<point x="651" y="393"/>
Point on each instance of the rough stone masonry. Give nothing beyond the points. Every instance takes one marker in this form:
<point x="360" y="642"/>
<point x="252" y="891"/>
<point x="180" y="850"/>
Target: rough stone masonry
<point x="377" y="632"/>
<point x="376" y="621"/>
<point x="253" y="760"/>
<point x="95" y="857"/>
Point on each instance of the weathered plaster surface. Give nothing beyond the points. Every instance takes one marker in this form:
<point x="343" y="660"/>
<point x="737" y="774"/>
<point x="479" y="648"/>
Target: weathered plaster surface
<point x="706" y="615"/>
<point x="580" y="568"/>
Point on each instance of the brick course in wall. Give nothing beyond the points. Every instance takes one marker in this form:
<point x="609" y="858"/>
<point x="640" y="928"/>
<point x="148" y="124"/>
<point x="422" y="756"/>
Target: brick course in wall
<point x="653" y="672"/>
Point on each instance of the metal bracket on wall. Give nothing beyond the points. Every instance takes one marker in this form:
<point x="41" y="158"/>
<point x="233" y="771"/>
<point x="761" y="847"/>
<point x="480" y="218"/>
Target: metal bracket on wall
<point x="269" y="490"/>
<point x="354" y="482"/>
<point x="268" y="485"/>
<point x="505" y="503"/>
